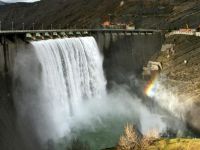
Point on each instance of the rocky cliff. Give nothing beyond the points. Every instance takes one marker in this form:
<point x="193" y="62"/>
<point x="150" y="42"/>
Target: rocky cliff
<point x="182" y="68"/>
<point x="180" y="75"/>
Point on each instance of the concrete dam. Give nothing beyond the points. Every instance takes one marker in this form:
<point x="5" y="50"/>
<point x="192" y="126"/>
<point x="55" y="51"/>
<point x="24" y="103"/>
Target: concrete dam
<point x="45" y="82"/>
<point x="129" y="44"/>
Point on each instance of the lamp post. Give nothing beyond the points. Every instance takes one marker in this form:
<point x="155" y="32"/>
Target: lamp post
<point x="0" y="25"/>
<point x="51" y="27"/>
<point x="42" y="26"/>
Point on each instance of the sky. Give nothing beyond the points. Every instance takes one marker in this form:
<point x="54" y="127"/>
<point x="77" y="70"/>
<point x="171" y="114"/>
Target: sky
<point x="13" y="1"/>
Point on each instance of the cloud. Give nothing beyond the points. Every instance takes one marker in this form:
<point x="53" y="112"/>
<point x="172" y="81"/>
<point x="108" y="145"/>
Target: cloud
<point x="14" y="1"/>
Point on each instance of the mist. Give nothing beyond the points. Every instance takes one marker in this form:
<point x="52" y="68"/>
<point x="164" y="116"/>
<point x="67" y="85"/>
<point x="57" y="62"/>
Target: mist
<point x="168" y="99"/>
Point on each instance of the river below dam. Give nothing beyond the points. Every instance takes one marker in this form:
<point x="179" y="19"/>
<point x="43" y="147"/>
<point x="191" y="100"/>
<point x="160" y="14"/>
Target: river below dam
<point x="61" y="99"/>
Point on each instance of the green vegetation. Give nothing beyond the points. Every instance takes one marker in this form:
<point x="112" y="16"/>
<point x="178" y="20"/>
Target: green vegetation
<point x="132" y="140"/>
<point x="175" y="144"/>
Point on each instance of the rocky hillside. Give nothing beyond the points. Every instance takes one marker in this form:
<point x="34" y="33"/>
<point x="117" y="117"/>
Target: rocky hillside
<point x="181" y="74"/>
<point x="182" y="68"/>
<point x="162" y="14"/>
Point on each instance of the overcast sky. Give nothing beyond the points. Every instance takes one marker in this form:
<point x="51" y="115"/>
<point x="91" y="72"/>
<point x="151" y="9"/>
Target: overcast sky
<point x="12" y="1"/>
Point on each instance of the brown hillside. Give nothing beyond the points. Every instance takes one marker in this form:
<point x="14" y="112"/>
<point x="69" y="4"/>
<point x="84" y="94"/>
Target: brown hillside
<point x="162" y="14"/>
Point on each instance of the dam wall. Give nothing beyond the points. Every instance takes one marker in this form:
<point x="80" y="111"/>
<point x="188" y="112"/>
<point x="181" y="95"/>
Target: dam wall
<point x="8" y="130"/>
<point x="8" y="52"/>
<point x="126" y="54"/>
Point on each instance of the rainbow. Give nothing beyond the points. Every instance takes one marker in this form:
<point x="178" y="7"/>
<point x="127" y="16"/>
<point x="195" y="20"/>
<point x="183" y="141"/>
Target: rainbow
<point x="151" y="86"/>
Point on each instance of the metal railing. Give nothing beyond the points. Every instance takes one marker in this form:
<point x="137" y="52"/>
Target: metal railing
<point x="77" y="30"/>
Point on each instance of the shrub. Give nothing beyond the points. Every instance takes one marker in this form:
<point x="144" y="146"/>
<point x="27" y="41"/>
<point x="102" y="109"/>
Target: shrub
<point x="130" y="140"/>
<point x="149" y="138"/>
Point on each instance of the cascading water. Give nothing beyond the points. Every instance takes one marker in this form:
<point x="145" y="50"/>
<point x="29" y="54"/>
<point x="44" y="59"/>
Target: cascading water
<point x="71" y="71"/>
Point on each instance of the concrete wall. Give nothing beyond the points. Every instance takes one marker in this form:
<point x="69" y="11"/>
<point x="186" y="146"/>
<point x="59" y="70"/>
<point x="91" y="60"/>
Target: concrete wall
<point x="125" y="55"/>
<point x="11" y="51"/>
<point x="10" y="137"/>
<point x="1" y="59"/>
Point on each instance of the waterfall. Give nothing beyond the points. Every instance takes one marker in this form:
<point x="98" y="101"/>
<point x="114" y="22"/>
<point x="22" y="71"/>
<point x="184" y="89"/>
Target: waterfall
<point x="70" y="73"/>
<point x="71" y="70"/>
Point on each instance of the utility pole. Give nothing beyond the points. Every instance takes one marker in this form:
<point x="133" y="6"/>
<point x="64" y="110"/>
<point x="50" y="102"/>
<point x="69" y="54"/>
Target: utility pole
<point x="42" y="26"/>
<point x="51" y="27"/>
<point x="0" y="25"/>
<point x="59" y="26"/>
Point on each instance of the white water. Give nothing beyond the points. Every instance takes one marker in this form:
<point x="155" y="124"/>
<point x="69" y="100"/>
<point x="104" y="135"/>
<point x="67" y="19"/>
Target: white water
<point x="71" y="73"/>
<point x="72" y="70"/>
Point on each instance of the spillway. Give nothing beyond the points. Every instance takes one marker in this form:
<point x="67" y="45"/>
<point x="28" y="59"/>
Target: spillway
<point x="62" y="74"/>
<point x="71" y="71"/>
